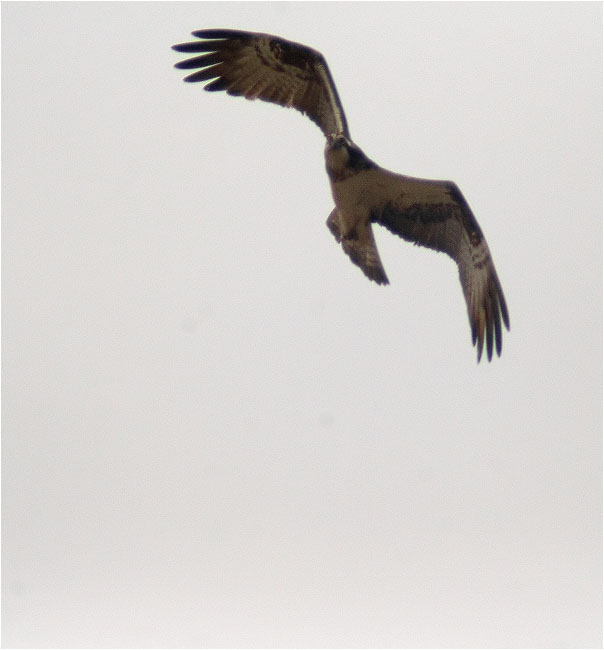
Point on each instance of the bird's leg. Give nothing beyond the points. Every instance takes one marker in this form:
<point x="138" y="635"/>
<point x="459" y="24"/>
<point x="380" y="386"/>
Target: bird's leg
<point x="334" y="225"/>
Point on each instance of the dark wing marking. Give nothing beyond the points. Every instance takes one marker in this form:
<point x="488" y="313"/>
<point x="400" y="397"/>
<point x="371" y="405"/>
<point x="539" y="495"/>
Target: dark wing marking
<point x="261" y="66"/>
<point x="436" y="215"/>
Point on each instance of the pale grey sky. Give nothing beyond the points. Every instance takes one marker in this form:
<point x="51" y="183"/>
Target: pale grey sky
<point x="216" y="431"/>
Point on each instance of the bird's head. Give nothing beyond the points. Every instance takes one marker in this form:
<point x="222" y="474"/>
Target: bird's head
<point x="337" y="153"/>
<point x="342" y="157"/>
<point x="337" y="141"/>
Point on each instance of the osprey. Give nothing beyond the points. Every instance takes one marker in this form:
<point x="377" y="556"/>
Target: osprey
<point x="429" y="213"/>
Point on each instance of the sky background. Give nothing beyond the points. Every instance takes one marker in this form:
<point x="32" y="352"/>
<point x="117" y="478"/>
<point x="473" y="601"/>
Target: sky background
<point x="216" y="431"/>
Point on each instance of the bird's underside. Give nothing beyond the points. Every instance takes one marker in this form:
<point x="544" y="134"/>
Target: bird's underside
<point x="426" y="212"/>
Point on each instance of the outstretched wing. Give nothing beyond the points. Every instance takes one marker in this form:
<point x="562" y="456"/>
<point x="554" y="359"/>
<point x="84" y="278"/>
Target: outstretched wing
<point x="261" y="66"/>
<point x="436" y="215"/>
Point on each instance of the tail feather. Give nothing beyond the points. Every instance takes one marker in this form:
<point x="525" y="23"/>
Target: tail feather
<point x="360" y="246"/>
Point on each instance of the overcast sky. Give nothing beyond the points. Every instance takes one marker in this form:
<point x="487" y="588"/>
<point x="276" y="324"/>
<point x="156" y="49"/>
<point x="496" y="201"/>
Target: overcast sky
<point x="216" y="430"/>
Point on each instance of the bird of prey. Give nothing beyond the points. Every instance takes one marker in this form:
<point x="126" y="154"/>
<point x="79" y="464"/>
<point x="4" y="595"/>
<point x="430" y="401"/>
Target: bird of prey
<point x="429" y="213"/>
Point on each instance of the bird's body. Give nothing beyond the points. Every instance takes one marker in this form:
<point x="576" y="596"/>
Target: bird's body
<point x="426" y="212"/>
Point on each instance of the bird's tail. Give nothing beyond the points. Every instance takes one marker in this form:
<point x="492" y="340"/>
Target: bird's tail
<point x="360" y="246"/>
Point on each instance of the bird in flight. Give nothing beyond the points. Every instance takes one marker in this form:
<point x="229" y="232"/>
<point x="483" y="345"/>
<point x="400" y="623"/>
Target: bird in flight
<point x="429" y="213"/>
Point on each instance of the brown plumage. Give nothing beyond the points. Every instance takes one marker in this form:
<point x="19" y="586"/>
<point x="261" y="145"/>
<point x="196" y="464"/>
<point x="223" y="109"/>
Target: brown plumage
<point x="261" y="66"/>
<point x="426" y="212"/>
